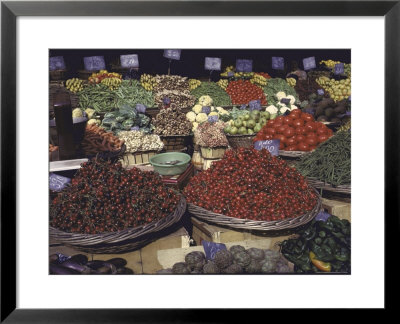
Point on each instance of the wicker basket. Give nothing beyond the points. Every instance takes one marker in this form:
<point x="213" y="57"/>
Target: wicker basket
<point x="252" y="225"/>
<point x="292" y="154"/>
<point x="176" y="143"/>
<point x="57" y="75"/>
<point x="318" y="184"/>
<point x="138" y="157"/>
<point x="119" y="242"/>
<point x="236" y="141"/>
<point x="84" y="74"/>
<point x="212" y="153"/>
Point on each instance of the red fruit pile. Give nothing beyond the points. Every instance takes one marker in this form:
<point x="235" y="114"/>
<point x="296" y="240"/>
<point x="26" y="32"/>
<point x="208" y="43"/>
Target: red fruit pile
<point x="105" y="197"/>
<point x="243" y="91"/>
<point x="297" y="131"/>
<point x="251" y="184"/>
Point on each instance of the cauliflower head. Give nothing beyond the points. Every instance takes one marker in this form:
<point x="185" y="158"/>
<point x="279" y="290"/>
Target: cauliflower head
<point x="191" y="116"/>
<point x="293" y="107"/>
<point x="77" y="112"/>
<point x="292" y="99"/>
<point x="197" y="109"/>
<point x="94" y="121"/>
<point x="195" y="125"/>
<point x="90" y="112"/>
<point x="202" y="117"/>
<point x="283" y="110"/>
<point x="279" y="95"/>
<point x="213" y="113"/>
<point x="205" y="101"/>
<point x="272" y="109"/>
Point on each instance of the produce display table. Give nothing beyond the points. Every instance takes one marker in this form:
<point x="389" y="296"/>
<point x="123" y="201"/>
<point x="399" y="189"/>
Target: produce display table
<point x="143" y="261"/>
<point x="168" y="257"/>
<point x="338" y="208"/>
<point x="204" y="231"/>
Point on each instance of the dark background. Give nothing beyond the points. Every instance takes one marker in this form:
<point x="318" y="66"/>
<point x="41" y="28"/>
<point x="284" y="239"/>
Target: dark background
<point x="191" y="63"/>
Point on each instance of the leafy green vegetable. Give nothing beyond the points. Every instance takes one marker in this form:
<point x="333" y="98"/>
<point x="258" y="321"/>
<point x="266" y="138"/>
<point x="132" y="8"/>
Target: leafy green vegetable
<point x="219" y="95"/>
<point x="275" y="85"/>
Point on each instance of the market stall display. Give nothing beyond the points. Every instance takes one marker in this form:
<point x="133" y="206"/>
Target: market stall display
<point x="109" y="209"/>
<point x="330" y="163"/>
<point x="244" y="190"/>
<point x="236" y="260"/>
<point x="323" y="246"/>
<point x="194" y="151"/>
<point x="296" y="132"/>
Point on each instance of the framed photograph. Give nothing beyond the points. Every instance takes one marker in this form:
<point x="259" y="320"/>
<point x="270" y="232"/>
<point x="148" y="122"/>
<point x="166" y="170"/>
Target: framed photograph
<point x="92" y="50"/>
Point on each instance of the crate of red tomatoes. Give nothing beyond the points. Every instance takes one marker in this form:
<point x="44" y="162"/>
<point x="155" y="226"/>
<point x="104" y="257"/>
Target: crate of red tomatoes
<point x="297" y="133"/>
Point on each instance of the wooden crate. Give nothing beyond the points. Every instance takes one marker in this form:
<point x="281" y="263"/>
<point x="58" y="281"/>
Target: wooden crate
<point x="338" y="208"/>
<point x="204" y="231"/>
<point x="137" y="158"/>
<point x="143" y="261"/>
<point x="167" y="258"/>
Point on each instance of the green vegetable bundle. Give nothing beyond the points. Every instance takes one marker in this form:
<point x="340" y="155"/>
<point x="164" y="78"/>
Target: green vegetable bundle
<point x="330" y="162"/>
<point x="275" y="85"/>
<point x="99" y="97"/>
<point x="329" y="241"/>
<point x="219" y="96"/>
<point x="130" y="93"/>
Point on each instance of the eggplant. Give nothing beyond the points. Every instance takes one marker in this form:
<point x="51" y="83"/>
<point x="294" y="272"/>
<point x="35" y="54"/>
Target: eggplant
<point x="118" y="262"/>
<point x="107" y="268"/>
<point x="59" y="270"/>
<point x="95" y="264"/>
<point x="79" y="258"/>
<point x="76" y="266"/>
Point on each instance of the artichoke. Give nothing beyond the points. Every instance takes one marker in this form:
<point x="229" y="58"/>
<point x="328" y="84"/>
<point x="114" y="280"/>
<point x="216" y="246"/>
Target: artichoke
<point x="256" y="254"/>
<point x="254" y="266"/>
<point x="180" y="268"/>
<point x="268" y="266"/>
<point x="210" y="267"/>
<point x="242" y="258"/>
<point x="195" y="260"/>
<point x="236" y="248"/>
<point x="233" y="269"/>
<point x="223" y="259"/>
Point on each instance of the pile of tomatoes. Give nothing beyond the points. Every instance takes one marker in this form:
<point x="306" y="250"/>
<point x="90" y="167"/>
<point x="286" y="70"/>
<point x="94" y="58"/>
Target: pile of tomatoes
<point x="105" y="197"/>
<point x="243" y="91"/>
<point x="297" y="131"/>
<point x="251" y="184"/>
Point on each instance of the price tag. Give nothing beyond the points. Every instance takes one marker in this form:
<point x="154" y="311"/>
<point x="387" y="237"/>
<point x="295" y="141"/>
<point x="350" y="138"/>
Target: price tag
<point x="244" y="65"/>
<point x="212" y="63"/>
<point x="140" y="108"/>
<point x="349" y="98"/>
<point x="172" y="54"/>
<point x="285" y="101"/>
<point x="94" y="63"/>
<point x="322" y="216"/>
<point x="278" y="63"/>
<point x="320" y="92"/>
<point x="339" y="68"/>
<point x="129" y="61"/>
<point x="57" y="182"/>
<point x="309" y="63"/>
<point x="213" y="119"/>
<point x="57" y="63"/>
<point x="231" y="74"/>
<point x="255" y="105"/>
<point x="211" y="248"/>
<point x="271" y="145"/>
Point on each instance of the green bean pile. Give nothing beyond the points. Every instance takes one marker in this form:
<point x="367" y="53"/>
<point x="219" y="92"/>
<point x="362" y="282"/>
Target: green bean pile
<point x="130" y="93"/>
<point x="219" y="96"/>
<point x="99" y="97"/>
<point x="330" y="162"/>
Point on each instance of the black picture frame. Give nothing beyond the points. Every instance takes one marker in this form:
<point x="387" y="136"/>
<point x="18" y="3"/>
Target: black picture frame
<point x="10" y="10"/>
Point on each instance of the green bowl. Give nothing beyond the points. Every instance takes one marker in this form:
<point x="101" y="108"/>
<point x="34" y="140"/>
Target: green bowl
<point x="165" y="169"/>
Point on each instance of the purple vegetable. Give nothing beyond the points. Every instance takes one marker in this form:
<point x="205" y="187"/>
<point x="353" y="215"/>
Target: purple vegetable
<point x="243" y="106"/>
<point x="285" y="101"/>
<point x="255" y="105"/>
<point x="213" y="119"/>
<point x="206" y="109"/>
<point x="59" y="270"/>
<point x="140" y="108"/>
<point x="75" y="266"/>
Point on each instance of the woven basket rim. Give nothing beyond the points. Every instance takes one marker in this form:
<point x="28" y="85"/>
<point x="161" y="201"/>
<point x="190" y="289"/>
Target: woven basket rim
<point x="240" y="135"/>
<point x="255" y="225"/>
<point x="112" y="240"/>
<point x="346" y="188"/>
<point x="165" y="136"/>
